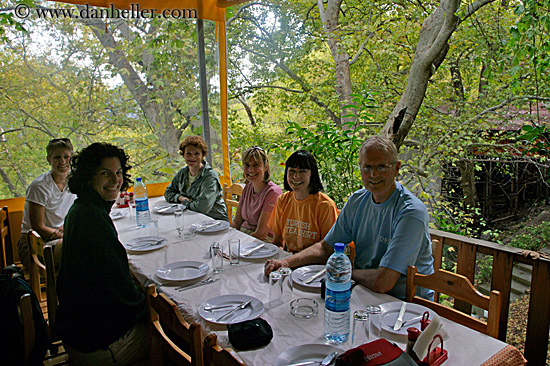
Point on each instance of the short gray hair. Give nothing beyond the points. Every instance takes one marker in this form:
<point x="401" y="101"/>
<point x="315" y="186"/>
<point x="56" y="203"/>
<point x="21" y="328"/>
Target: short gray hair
<point x="380" y="143"/>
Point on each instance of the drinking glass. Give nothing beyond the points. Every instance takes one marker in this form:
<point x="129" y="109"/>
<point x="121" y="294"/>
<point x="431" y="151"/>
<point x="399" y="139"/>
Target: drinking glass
<point x="361" y="317"/>
<point x="275" y="289"/>
<point x="153" y="228"/>
<point x="286" y="284"/>
<point x="234" y="248"/>
<point x="178" y="217"/>
<point x="373" y="328"/>
<point x="216" y="251"/>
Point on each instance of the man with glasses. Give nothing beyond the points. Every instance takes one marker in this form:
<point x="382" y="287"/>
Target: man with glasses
<point x="387" y="223"/>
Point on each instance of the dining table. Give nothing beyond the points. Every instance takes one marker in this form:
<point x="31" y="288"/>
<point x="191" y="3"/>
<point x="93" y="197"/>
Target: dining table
<point x="464" y="345"/>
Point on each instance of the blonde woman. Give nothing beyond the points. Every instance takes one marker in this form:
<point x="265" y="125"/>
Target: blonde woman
<point x="259" y="195"/>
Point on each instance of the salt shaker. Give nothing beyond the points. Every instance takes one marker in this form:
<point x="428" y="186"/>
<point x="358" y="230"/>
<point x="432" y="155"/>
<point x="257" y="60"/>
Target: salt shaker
<point x="412" y="335"/>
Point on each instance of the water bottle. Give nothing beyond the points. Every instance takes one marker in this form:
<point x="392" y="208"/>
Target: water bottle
<point x="337" y="296"/>
<point x="142" y="204"/>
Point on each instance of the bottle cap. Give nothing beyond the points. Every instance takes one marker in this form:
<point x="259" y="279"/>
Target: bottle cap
<point x="413" y="333"/>
<point x="339" y="247"/>
<point x="138" y="179"/>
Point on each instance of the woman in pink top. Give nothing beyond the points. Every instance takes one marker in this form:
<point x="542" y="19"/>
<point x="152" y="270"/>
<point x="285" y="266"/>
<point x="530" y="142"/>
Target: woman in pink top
<point x="259" y="195"/>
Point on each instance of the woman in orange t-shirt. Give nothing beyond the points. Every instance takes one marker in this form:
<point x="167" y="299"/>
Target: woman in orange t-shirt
<point x="303" y="215"/>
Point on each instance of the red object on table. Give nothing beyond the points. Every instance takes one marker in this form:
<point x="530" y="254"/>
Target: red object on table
<point x="425" y="320"/>
<point x="436" y="356"/>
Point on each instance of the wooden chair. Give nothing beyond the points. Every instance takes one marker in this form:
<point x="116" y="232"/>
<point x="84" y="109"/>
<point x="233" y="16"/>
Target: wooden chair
<point x="228" y="193"/>
<point x="36" y="268"/>
<point x="7" y="255"/>
<point x="29" y="335"/>
<point x="437" y="254"/>
<point x="51" y="294"/>
<point x="214" y="355"/>
<point x="173" y="340"/>
<point x="461" y="288"/>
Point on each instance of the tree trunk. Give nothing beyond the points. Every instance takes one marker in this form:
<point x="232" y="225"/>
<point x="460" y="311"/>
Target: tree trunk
<point x="430" y="52"/>
<point x="340" y="56"/>
<point x="468" y="184"/>
<point x="159" y="116"/>
<point x="8" y="181"/>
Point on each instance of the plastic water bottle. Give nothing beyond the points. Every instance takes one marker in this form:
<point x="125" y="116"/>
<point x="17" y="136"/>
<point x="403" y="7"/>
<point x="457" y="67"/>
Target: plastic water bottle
<point x="142" y="204"/>
<point x="338" y="291"/>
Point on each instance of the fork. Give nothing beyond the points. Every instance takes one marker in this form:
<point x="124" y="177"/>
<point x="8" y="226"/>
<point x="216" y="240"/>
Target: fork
<point x="207" y="281"/>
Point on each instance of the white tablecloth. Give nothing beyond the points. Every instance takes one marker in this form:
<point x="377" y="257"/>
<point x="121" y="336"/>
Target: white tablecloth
<point x="465" y="346"/>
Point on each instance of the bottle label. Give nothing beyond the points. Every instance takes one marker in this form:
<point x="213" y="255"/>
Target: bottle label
<point x="142" y="205"/>
<point x="337" y="301"/>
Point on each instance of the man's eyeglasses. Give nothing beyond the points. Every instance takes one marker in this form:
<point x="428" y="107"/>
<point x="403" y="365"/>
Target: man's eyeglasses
<point x="64" y="139"/>
<point x="381" y="168"/>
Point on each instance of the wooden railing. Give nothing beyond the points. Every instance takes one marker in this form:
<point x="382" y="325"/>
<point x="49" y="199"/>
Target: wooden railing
<point x="538" y="317"/>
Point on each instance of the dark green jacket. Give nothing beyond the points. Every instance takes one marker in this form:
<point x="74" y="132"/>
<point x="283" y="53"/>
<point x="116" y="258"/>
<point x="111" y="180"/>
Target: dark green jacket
<point x="98" y="300"/>
<point x="205" y="191"/>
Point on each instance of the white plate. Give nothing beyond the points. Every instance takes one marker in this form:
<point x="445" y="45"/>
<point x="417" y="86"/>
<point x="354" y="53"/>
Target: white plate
<point x="268" y="250"/>
<point x="210" y="226"/>
<point x="166" y="208"/>
<point x="252" y="311"/>
<point x="306" y="353"/>
<point x="145" y="243"/>
<point x="299" y="275"/>
<point x="183" y="271"/>
<point x="390" y="310"/>
<point x="118" y="214"/>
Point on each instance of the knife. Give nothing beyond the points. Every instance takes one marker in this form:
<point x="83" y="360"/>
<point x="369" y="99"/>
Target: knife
<point x="326" y="361"/>
<point x="315" y="276"/>
<point x="399" y="321"/>
<point x="238" y="307"/>
<point x="198" y="284"/>
<point x="166" y="208"/>
<point x="248" y="252"/>
<point x="208" y="225"/>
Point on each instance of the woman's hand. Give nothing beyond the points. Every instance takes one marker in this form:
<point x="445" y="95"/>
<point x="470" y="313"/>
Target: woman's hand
<point x="57" y="234"/>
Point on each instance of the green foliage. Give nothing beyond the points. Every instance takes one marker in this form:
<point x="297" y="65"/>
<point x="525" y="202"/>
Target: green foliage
<point x="467" y="222"/>
<point x="533" y="237"/>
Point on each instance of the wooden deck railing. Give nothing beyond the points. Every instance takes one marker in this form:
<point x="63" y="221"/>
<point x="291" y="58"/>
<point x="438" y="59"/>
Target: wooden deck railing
<point x="538" y="317"/>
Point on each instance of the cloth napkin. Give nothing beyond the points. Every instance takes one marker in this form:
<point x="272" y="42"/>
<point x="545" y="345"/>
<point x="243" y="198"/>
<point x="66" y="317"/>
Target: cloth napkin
<point x="508" y="356"/>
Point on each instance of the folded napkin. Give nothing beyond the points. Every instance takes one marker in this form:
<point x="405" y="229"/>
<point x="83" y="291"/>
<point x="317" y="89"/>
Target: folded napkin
<point x="508" y="356"/>
<point x="423" y="342"/>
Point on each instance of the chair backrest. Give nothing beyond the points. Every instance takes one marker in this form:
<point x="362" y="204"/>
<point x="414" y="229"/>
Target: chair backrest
<point x="36" y="251"/>
<point x="437" y="254"/>
<point x="214" y="355"/>
<point x="7" y="254"/>
<point x="59" y="357"/>
<point x="27" y="321"/>
<point x="174" y="341"/>
<point x="51" y="294"/>
<point x="228" y="193"/>
<point x="459" y="287"/>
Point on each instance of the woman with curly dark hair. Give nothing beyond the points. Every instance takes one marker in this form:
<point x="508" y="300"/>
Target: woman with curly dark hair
<point x="197" y="186"/>
<point x="101" y="316"/>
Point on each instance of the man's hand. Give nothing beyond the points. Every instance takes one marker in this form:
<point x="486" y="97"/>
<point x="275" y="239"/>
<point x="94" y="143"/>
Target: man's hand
<point x="273" y="265"/>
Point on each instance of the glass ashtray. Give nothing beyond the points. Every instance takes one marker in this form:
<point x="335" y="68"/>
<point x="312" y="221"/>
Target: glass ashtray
<point x="304" y="308"/>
